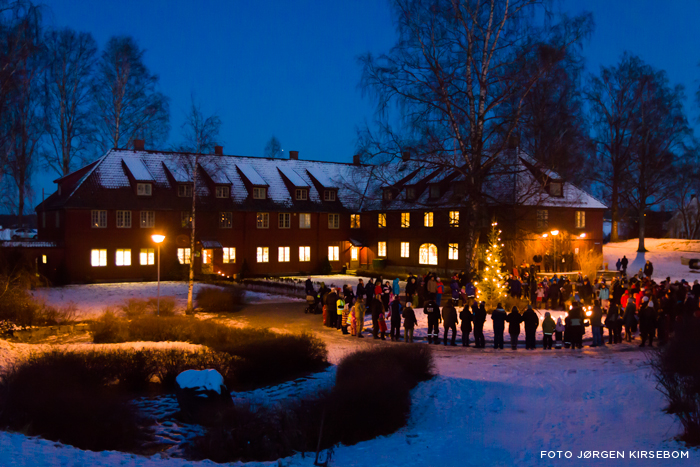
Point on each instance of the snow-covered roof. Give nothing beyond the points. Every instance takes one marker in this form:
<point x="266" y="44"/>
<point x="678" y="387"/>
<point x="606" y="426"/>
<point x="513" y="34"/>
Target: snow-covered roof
<point x="215" y="172"/>
<point x="177" y="171"/>
<point x="322" y="178"/>
<point x="138" y="169"/>
<point x="293" y="177"/>
<point x="251" y="174"/>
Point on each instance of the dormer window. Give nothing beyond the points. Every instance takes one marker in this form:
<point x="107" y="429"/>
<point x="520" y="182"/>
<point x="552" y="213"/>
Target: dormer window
<point x="184" y="190"/>
<point x="328" y="195"/>
<point x="410" y="193"/>
<point x="555" y="189"/>
<point x="434" y="191"/>
<point x="259" y="193"/>
<point x="388" y="194"/>
<point x="223" y="192"/>
<point x="302" y="194"/>
<point x="143" y="189"/>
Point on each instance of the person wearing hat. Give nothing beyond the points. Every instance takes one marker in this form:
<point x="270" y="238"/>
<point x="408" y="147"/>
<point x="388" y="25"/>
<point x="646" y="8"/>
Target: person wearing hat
<point x="647" y="321"/>
<point x="409" y="322"/>
<point x="479" y="320"/>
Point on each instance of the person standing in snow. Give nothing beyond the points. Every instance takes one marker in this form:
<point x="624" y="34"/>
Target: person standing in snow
<point x="360" y="315"/>
<point x="611" y="323"/>
<point x="648" y="269"/>
<point x="630" y="320"/>
<point x="377" y="309"/>
<point x="596" y="321"/>
<point x="479" y="320"/>
<point x="577" y="326"/>
<point x="409" y="321"/>
<point x="396" y="288"/>
<point x="466" y="317"/>
<point x="548" y="328"/>
<point x="531" y="321"/>
<point x="647" y="322"/>
<point x="624" y="262"/>
<point x="498" y="316"/>
<point x="558" y="333"/>
<point x="439" y="289"/>
<point x="449" y="319"/>
<point x="432" y="311"/>
<point x="395" y="314"/>
<point x="332" y="306"/>
<point x="514" y="319"/>
<point x="360" y="290"/>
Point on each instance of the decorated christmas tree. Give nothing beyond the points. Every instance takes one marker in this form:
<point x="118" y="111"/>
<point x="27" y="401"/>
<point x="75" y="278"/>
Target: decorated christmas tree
<point x="492" y="287"/>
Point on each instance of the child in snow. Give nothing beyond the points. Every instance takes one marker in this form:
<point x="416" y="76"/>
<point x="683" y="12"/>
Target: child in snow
<point x="352" y="321"/>
<point x="558" y="333"/>
<point x="382" y="325"/>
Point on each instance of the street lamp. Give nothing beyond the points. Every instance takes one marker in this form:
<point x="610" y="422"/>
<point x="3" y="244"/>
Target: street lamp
<point x="555" y="232"/>
<point x="158" y="239"/>
<point x="554" y="244"/>
<point x="583" y="235"/>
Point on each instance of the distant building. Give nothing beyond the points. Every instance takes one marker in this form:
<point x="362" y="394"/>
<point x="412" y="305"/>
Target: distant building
<point x="685" y="223"/>
<point x="285" y="216"/>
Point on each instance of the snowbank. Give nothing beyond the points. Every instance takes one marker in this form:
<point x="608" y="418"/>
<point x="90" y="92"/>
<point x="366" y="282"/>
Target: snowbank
<point x="664" y="253"/>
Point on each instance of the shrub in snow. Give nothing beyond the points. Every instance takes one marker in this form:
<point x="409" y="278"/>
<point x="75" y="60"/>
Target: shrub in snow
<point x="134" y="307"/>
<point x="220" y="299"/>
<point x="167" y="306"/>
<point x="109" y="329"/>
<point x="202" y="393"/>
<point x="677" y="369"/>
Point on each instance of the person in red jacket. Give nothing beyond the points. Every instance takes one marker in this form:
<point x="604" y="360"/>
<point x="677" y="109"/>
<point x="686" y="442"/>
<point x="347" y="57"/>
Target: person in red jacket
<point x="438" y="294"/>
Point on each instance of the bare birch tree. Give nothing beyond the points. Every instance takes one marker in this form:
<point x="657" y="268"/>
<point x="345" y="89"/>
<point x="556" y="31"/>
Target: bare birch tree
<point x="71" y="60"/>
<point x="458" y="76"/>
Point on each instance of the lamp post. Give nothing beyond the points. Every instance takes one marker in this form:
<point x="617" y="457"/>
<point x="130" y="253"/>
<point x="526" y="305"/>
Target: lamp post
<point x="554" y="242"/>
<point x="158" y="239"/>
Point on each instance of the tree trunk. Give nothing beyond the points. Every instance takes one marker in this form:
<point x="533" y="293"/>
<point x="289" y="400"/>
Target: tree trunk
<point x="472" y="242"/>
<point x="190" y="285"/>
<point x="614" y="235"/>
<point x="642" y="225"/>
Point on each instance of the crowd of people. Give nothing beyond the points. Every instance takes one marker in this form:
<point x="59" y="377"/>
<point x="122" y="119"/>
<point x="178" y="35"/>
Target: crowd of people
<point x="624" y="307"/>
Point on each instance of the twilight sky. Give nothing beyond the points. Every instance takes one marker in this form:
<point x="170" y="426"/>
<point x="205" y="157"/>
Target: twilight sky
<point x="289" y="68"/>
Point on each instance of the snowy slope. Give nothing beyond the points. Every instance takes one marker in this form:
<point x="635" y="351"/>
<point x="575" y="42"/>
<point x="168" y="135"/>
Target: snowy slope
<point x="664" y="253"/>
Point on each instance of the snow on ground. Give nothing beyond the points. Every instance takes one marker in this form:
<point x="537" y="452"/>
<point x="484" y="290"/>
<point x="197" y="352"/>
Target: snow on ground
<point x="91" y="300"/>
<point x="664" y="253"/>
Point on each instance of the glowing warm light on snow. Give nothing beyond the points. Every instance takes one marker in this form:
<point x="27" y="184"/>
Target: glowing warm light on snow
<point x="545" y="235"/>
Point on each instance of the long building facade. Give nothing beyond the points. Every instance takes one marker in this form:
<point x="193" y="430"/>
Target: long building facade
<point x="283" y="216"/>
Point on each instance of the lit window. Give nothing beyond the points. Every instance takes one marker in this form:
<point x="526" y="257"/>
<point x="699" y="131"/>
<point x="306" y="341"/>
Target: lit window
<point x="283" y="220"/>
<point x="263" y="254"/>
<point x="381" y="220"/>
<point x="304" y="220"/>
<point x="223" y="192"/>
<point x="453" y="251"/>
<point x="410" y="193"/>
<point x="229" y="255"/>
<point x="405" y="248"/>
<point x="147" y="256"/>
<point x="328" y="195"/>
<point x="542" y="219"/>
<point x="185" y="219"/>
<point x="263" y="220"/>
<point x="381" y="249"/>
<point x="148" y="219"/>
<point x="207" y="256"/>
<point x="580" y="219"/>
<point x="123" y="219"/>
<point x="143" y="189"/>
<point x="98" y="258"/>
<point x="43" y="259"/>
<point x="405" y="220"/>
<point x="428" y="219"/>
<point x="555" y="189"/>
<point x="354" y="221"/>
<point x="283" y="254"/>
<point x="259" y="193"/>
<point x="302" y="194"/>
<point x="434" y="191"/>
<point x="225" y="220"/>
<point x="333" y="221"/>
<point x="184" y="255"/>
<point x="454" y="218"/>
<point x="99" y="219"/>
<point x="427" y="254"/>
<point x="304" y="253"/>
<point x="123" y="258"/>
<point x="184" y="190"/>
<point x="354" y="253"/>
<point x="333" y="253"/>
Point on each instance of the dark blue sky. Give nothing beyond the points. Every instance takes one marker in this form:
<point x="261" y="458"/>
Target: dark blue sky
<point x="289" y="68"/>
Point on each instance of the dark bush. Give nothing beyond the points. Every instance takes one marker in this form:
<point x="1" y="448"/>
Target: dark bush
<point x="677" y="369"/>
<point x="220" y="299"/>
<point x="167" y="306"/>
<point x="325" y="267"/>
<point x="109" y="329"/>
<point x="134" y="307"/>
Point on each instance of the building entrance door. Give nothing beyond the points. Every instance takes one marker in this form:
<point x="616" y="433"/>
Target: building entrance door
<point x="207" y="261"/>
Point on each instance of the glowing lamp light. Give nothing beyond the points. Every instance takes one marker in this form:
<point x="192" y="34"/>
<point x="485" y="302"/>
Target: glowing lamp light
<point x="583" y="235"/>
<point x="555" y="232"/>
<point x="566" y="314"/>
<point x="589" y="313"/>
<point x="158" y="238"/>
<point x="545" y="235"/>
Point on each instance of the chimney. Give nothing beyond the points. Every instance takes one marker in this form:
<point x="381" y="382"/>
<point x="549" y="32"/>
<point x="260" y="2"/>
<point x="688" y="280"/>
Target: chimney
<point x="293" y="155"/>
<point x="139" y="145"/>
<point x="406" y="156"/>
<point x="219" y="150"/>
<point x="356" y="159"/>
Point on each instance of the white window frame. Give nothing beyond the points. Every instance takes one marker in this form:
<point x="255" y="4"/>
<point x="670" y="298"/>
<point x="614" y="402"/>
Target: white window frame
<point x="428" y="219"/>
<point x="98" y="258"/>
<point x="580" y="219"/>
<point x="184" y="190"/>
<point x="302" y="194"/>
<point x="123" y="219"/>
<point x="229" y="255"/>
<point x="283" y="255"/>
<point x="284" y="220"/>
<point x="453" y="251"/>
<point x="263" y="220"/>
<point x="262" y="254"/>
<point x="381" y="249"/>
<point x="147" y="257"/>
<point x="305" y="220"/>
<point x="333" y="221"/>
<point x="184" y="255"/>
<point x="333" y="253"/>
<point x="405" y="249"/>
<point x="405" y="220"/>
<point x="425" y="256"/>
<point x="328" y="195"/>
<point x="144" y="189"/>
<point x="304" y="253"/>
<point x="148" y="219"/>
<point x="259" y="192"/>
<point x="225" y="219"/>
<point x="99" y="218"/>
<point x="223" y="192"/>
<point x="122" y="257"/>
<point x="454" y="218"/>
<point x="355" y="221"/>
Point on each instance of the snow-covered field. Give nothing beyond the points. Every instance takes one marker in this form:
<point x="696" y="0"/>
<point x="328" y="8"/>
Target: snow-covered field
<point x="664" y="253"/>
<point x="92" y="299"/>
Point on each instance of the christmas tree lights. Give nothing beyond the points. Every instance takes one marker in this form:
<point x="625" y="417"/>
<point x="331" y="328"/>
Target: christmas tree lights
<point x="493" y="282"/>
